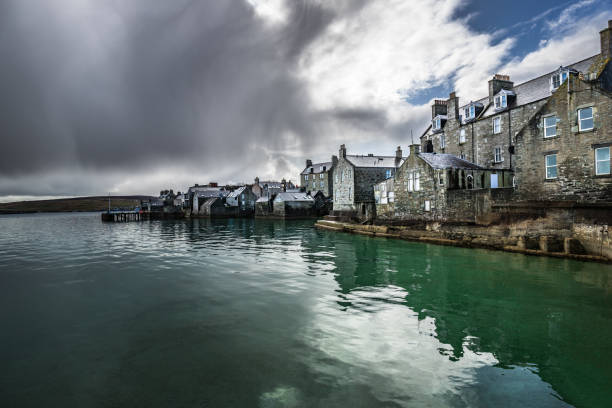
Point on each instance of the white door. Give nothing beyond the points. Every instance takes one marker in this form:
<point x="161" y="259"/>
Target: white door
<point x="493" y="180"/>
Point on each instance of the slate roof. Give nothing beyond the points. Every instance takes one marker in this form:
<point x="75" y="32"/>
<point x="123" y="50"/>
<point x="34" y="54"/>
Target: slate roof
<point x="263" y="199"/>
<point x="448" y="161"/>
<point x="271" y="184"/>
<point x="374" y="161"/>
<point x="284" y="196"/>
<point x="534" y="89"/>
<point x="236" y="192"/>
<point x="211" y="193"/>
<point x="317" y="168"/>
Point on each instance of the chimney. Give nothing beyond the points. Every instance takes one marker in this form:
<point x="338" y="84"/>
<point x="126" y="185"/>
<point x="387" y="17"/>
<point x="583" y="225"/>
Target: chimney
<point x="439" y="107"/>
<point x="498" y="83"/>
<point x="452" y="106"/>
<point x="398" y="152"/>
<point x="308" y="163"/>
<point x="606" y="41"/>
<point x="415" y="149"/>
<point x="334" y="160"/>
<point x="257" y="180"/>
<point x="343" y="151"/>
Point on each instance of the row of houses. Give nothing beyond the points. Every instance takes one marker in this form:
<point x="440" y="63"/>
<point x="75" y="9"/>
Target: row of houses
<point x="541" y="141"/>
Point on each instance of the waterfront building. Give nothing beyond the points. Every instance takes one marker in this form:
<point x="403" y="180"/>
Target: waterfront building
<point x="242" y="200"/>
<point x="354" y="177"/>
<point x="318" y="177"/>
<point x="293" y="205"/>
<point x="267" y="188"/>
<point x="554" y="131"/>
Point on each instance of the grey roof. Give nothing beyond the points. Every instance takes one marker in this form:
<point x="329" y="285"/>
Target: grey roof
<point x="375" y="161"/>
<point x="211" y="193"/>
<point x="271" y="184"/>
<point x="236" y="192"/>
<point x="535" y="89"/>
<point x="263" y="199"/>
<point x="284" y="196"/>
<point x="447" y="161"/>
<point x="317" y="168"/>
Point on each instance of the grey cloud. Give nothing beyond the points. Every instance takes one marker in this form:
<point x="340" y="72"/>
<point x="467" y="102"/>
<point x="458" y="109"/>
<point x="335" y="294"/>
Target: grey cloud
<point x="108" y="87"/>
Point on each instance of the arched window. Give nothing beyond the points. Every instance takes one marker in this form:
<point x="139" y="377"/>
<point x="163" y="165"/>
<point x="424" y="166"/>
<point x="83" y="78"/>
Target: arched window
<point x="470" y="182"/>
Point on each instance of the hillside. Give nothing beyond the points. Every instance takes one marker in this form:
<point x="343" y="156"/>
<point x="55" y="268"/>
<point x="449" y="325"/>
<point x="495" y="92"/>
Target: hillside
<point x="71" y="204"/>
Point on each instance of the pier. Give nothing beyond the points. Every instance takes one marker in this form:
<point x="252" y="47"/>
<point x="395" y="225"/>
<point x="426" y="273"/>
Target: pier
<point x="124" y="215"/>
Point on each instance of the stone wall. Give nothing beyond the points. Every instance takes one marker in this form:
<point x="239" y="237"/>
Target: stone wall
<point x="344" y="186"/>
<point x="575" y="150"/>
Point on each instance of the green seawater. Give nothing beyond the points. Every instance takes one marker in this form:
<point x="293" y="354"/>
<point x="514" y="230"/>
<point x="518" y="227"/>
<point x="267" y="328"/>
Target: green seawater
<point x="251" y="313"/>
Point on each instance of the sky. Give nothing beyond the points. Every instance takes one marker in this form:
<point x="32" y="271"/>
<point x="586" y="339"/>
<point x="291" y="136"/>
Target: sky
<point x="109" y="96"/>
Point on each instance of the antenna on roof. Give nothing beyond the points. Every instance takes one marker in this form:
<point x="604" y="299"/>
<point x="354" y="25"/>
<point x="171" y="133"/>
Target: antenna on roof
<point x="411" y="138"/>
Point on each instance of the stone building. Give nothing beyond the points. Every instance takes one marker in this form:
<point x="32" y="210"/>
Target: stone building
<point x="243" y="201"/>
<point x="354" y="177"/>
<point x="515" y="126"/>
<point x="424" y="187"/>
<point x="563" y="152"/>
<point x="293" y="205"/>
<point x="318" y="177"/>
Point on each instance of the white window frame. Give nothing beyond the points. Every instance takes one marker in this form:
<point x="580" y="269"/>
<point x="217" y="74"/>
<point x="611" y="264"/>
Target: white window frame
<point x="306" y="177"/>
<point x="547" y="166"/>
<point x="561" y="75"/>
<point x="547" y="128"/>
<point x="321" y="176"/>
<point x="498" y="120"/>
<point x="417" y="181"/>
<point x="388" y="173"/>
<point x="497" y="154"/>
<point x="501" y="101"/>
<point x="597" y="172"/>
<point x="410" y="182"/>
<point x="462" y="136"/>
<point x="442" y="141"/>
<point x="580" y="119"/>
<point x="427" y="206"/>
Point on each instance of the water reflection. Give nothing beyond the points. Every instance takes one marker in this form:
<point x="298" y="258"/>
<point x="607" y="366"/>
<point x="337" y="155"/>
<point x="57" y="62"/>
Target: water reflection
<point x="272" y="313"/>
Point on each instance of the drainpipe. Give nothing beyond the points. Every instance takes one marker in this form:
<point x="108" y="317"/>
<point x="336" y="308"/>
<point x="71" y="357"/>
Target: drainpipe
<point x="473" y="144"/>
<point x="509" y="137"/>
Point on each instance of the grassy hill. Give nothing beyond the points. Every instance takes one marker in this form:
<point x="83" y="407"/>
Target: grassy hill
<point x="71" y="204"/>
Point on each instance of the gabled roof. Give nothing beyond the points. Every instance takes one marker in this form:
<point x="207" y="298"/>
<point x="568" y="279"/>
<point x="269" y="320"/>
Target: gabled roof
<point x="237" y="192"/>
<point x="538" y="88"/>
<point x="317" y="168"/>
<point x="447" y="161"/>
<point x="375" y="161"/>
<point x="284" y="196"/>
<point x="211" y="193"/>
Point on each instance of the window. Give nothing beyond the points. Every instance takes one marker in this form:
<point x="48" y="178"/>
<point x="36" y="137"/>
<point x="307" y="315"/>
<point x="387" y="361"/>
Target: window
<point x="442" y="142"/>
<point x="388" y="173"/>
<point x="322" y="184"/>
<point x="470" y="112"/>
<point x="437" y="123"/>
<point x="470" y="182"/>
<point x="462" y="156"/>
<point x="391" y="196"/>
<point x="497" y="125"/>
<point x="349" y="191"/>
<point x="551" y="166"/>
<point x="497" y="155"/>
<point x="585" y="119"/>
<point x="557" y="79"/>
<point x="410" y="182"/>
<point x="602" y="161"/>
<point x="321" y="176"/>
<point x="336" y="176"/>
<point x="417" y="183"/>
<point x="501" y="101"/>
<point x="306" y="177"/>
<point x="462" y="136"/>
<point x="427" y="205"/>
<point x="441" y="181"/>
<point x="550" y="126"/>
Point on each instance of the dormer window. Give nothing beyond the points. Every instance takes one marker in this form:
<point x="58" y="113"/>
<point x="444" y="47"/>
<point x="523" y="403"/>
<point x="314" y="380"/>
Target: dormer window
<point x="470" y="111"/>
<point x="558" y="78"/>
<point x="438" y="122"/>
<point x="503" y="99"/>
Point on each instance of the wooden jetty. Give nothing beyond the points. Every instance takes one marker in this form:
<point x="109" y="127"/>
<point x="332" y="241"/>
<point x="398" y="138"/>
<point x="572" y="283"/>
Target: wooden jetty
<point x="124" y="215"/>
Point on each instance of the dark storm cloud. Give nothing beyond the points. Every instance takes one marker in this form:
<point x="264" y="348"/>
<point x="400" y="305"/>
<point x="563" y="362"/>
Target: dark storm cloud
<point x="140" y="82"/>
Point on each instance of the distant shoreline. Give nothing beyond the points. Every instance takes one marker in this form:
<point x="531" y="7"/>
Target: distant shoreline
<point x="77" y="204"/>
